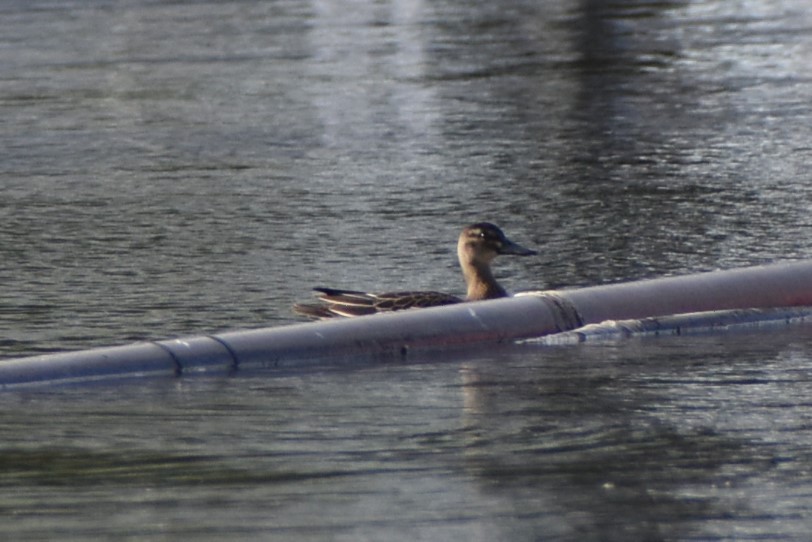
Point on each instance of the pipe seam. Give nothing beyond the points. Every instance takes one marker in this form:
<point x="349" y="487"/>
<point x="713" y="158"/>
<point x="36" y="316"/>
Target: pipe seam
<point x="235" y="360"/>
<point x="175" y="360"/>
<point x="565" y="314"/>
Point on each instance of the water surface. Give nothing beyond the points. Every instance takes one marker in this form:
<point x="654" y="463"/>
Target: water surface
<point x="175" y="168"/>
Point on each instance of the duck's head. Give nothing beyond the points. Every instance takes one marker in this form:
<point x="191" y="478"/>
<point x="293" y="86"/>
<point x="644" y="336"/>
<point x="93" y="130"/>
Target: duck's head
<point x="480" y="243"/>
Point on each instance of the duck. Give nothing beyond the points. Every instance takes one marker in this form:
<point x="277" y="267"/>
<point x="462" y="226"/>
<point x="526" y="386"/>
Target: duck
<point x="478" y="245"/>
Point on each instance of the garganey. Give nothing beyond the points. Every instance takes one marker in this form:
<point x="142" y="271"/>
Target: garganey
<point x="478" y="245"/>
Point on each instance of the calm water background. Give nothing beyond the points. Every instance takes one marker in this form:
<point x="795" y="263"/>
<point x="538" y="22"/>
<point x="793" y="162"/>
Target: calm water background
<point x="175" y="168"/>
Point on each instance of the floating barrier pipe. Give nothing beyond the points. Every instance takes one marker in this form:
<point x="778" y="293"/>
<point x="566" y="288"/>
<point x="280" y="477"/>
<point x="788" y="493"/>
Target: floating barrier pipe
<point x="761" y="287"/>
<point x="397" y="334"/>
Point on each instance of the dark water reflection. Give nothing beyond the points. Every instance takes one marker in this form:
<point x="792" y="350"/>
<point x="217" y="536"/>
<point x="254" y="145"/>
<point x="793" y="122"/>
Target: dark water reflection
<point x="173" y="168"/>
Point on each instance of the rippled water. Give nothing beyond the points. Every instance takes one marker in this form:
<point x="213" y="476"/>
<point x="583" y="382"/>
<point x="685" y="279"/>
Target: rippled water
<point x="660" y="439"/>
<point x="173" y="168"/>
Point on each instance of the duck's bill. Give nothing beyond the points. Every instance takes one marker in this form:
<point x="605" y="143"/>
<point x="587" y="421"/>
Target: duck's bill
<point x="509" y="247"/>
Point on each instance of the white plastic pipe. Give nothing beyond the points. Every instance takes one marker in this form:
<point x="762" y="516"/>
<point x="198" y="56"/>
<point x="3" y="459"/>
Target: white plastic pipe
<point x="396" y="335"/>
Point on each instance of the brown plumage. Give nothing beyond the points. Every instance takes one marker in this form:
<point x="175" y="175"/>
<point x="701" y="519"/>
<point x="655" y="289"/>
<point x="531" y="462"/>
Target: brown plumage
<point x="477" y="247"/>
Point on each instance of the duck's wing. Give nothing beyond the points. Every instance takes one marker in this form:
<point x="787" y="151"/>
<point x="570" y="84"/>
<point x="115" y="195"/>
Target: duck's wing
<point x="312" y="310"/>
<point x="397" y="301"/>
<point x="354" y="303"/>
